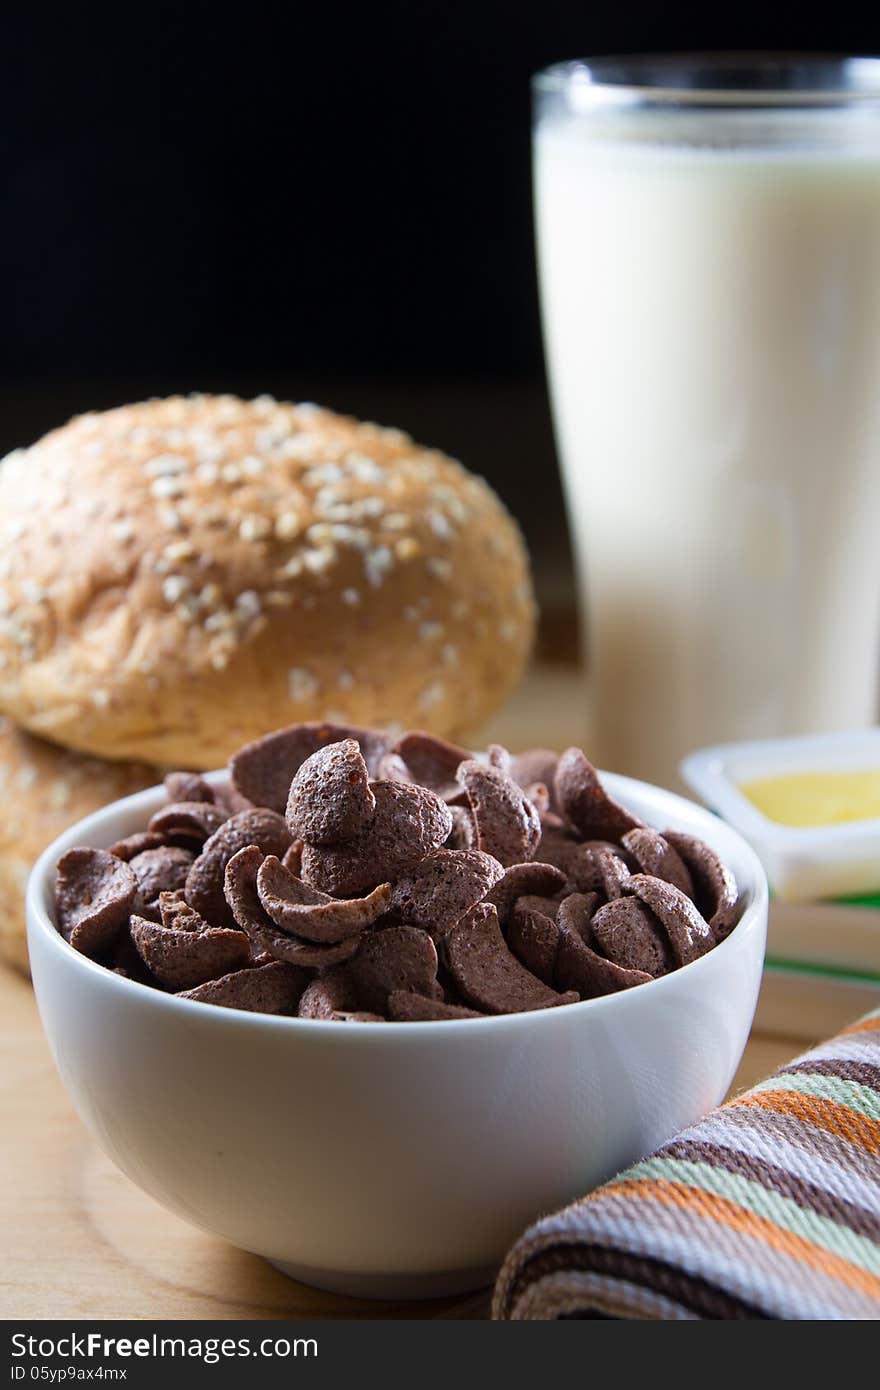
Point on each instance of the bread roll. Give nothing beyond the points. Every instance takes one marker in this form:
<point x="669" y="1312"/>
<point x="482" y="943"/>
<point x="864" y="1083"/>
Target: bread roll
<point x="180" y="576"/>
<point x="43" y="790"/>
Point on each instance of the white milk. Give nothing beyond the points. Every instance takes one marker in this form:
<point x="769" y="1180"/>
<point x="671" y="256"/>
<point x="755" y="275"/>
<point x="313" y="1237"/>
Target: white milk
<point x="712" y="330"/>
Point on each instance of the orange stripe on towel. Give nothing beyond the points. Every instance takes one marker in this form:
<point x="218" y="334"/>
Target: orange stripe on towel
<point x="837" y="1119"/>
<point x="864" y="1025"/>
<point x="745" y="1222"/>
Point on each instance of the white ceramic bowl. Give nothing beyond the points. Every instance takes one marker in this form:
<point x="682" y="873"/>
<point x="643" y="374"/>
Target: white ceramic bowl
<point x="390" y="1159"/>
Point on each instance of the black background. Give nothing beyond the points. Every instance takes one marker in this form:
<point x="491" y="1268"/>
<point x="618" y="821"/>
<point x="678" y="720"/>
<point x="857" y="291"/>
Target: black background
<point x="322" y="200"/>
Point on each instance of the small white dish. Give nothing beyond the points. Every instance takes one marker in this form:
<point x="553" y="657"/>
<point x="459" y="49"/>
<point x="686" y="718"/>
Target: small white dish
<point x="802" y="863"/>
<point x="390" y="1159"/>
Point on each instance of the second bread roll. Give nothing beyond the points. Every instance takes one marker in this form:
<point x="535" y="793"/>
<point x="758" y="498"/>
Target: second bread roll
<point x="43" y="790"/>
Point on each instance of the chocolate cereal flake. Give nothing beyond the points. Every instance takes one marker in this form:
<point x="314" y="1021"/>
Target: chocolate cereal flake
<point x="330" y="799"/>
<point x="242" y="895"/>
<point x="263" y="770"/>
<point x="304" y="911"/>
<point x="443" y="886"/>
<point x="94" y="894"/>
<point x="158" y="871"/>
<point x="522" y="879"/>
<point x="628" y="934"/>
<point x="204" y="882"/>
<point x="583" y="969"/>
<point x="689" y="933"/>
<point x="405" y="1007"/>
<point x="487" y="973"/>
<point x="183" y="959"/>
<point x="656" y="856"/>
<point x="136" y="844"/>
<point x="267" y="989"/>
<point x="533" y="937"/>
<point x="584" y="802"/>
<point x="331" y="993"/>
<point x="394" y="959"/>
<point x="508" y="826"/>
<point x="716" y="891"/>
<point x="430" y="761"/>
<point x="408" y="823"/>
<point x="188" y="786"/>
<point x="190" y="820"/>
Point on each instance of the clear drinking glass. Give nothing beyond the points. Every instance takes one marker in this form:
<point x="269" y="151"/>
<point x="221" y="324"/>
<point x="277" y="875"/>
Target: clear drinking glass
<point x="708" y="233"/>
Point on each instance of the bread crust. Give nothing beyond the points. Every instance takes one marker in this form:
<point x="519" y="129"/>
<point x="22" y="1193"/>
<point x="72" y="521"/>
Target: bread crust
<point x="181" y="575"/>
<point x="43" y="790"/>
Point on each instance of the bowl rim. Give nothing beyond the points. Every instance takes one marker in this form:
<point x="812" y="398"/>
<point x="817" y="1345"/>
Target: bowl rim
<point x="39" y="919"/>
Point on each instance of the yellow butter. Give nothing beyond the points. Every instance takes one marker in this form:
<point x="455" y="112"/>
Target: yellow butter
<point x="816" y="798"/>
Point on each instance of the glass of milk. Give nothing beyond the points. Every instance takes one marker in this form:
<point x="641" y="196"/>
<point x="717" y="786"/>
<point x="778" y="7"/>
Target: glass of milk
<point x="708" y="236"/>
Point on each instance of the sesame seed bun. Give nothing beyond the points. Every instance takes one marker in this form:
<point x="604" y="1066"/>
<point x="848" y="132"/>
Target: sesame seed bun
<point x="43" y="790"/>
<point x="180" y="576"/>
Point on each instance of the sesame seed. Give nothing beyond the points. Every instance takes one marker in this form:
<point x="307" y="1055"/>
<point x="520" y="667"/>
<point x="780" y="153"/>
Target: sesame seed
<point x="165" y="466"/>
<point x="440" y="569"/>
<point x="345" y="680"/>
<point x="166" y="487"/>
<point x="431" y="695"/>
<point x="288" y="525"/>
<point x="279" y="598"/>
<point x="247" y="603"/>
<point x="188" y="609"/>
<point x="449" y="653"/>
<point x="254" y="527"/>
<point x="219" y="621"/>
<point x="174" y="587"/>
<point x="170" y="519"/>
<point x="429" y="631"/>
<point x="208" y="472"/>
<point x="179" y="550"/>
<point x="319" y="561"/>
<point x="252" y="466"/>
<point x="59" y="794"/>
<point x="302" y="684"/>
<point x="210" y="595"/>
<point x="230" y="473"/>
<point x="100" y="698"/>
<point x="122" y="531"/>
<point x="397" y="521"/>
<point x="372" y="506"/>
<point x="377" y="563"/>
<point x="440" y="525"/>
<point x="407" y="548"/>
<point x="31" y="592"/>
<point x="364" y="468"/>
<point x="323" y="473"/>
<point x="351" y="597"/>
<point x="326" y="499"/>
<point x="507" y="630"/>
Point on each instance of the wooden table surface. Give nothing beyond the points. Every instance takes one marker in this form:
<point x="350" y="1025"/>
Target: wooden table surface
<point x="78" y="1240"/>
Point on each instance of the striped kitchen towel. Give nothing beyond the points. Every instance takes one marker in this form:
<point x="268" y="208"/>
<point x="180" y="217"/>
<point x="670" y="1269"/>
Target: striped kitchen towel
<point x="768" y="1208"/>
